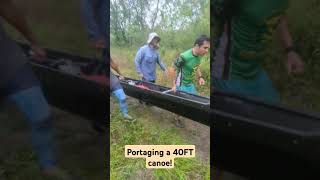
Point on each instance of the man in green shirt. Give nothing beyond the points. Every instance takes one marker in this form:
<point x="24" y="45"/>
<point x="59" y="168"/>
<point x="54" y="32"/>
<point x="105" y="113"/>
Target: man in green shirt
<point x="187" y="66"/>
<point x="253" y="24"/>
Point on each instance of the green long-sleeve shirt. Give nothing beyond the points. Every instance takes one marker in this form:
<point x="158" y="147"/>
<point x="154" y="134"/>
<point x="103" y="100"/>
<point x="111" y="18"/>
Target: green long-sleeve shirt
<point x="252" y="27"/>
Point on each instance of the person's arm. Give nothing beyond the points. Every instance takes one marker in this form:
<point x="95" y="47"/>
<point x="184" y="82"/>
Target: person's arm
<point x="294" y="61"/>
<point x="173" y="77"/>
<point x="199" y="77"/>
<point x="115" y="67"/>
<point x="138" y="61"/>
<point x="283" y="32"/>
<point x="14" y="16"/>
<point x="161" y="64"/>
<point x="177" y="65"/>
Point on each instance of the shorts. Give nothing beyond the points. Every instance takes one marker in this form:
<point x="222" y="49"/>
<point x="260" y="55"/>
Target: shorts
<point x="188" y="88"/>
<point x="261" y="87"/>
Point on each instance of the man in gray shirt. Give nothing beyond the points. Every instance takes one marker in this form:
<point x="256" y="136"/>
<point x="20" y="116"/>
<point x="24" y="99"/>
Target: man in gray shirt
<point x="147" y="59"/>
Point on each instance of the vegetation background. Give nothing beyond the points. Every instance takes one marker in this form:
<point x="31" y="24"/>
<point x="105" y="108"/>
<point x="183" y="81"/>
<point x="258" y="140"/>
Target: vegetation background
<point x="178" y="23"/>
<point x="299" y="91"/>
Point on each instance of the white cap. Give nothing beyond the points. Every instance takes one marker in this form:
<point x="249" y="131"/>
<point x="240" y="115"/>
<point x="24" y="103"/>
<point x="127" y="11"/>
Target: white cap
<point x="152" y="36"/>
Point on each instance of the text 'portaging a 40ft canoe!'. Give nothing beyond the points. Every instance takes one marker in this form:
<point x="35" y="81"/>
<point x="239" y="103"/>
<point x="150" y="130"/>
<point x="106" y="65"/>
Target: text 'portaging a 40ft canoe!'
<point x="160" y="156"/>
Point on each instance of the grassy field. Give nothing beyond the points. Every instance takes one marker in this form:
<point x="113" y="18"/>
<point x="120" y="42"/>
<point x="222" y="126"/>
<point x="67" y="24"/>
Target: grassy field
<point x="153" y="127"/>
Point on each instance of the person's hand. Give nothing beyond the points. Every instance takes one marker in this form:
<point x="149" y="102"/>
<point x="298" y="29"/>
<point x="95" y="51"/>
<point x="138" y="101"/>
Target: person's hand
<point x="166" y="73"/>
<point x="174" y="88"/>
<point x="294" y="63"/>
<point x="100" y="44"/>
<point x="38" y="53"/>
<point x="121" y="77"/>
<point x="202" y="81"/>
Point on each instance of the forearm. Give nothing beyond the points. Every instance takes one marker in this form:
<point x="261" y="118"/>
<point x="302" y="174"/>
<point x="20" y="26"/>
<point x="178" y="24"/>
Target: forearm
<point x="138" y="68"/>
<point x="115" y="67"/>
<point x="12" y="14"/>
<point x="284" y="33"/>
<point x="162" y="66"/>
<point x="199" y="74"/>
<point x="137" y="62"/>
<point x="172" y="76"/>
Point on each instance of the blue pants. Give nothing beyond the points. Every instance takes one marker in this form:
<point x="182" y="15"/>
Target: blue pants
<point x="121" y="96"/>
<point x="24" y="90"/>
<point x="33" y="104"/>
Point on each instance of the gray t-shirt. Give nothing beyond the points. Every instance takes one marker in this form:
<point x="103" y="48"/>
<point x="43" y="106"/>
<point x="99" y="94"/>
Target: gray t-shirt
<point x="12" y="58"/>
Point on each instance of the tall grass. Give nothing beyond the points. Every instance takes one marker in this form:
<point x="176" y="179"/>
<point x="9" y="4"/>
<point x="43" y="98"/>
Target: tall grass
<point x="300" y="91"/>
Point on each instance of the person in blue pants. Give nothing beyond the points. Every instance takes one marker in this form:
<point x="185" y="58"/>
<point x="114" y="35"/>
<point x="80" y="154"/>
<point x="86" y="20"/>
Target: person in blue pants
<point x="19" y="85"/>
<point x="117" y="90"/>
<point x="94" y="13"/>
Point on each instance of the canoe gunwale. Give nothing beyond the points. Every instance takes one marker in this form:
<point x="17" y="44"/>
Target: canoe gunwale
<point x="167" y="94"/>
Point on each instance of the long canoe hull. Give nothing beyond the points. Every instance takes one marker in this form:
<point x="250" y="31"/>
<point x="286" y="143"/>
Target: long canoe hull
<point x="264" y="141"/>
<point x="71" y="91"/>
<point x="191" y="106"/>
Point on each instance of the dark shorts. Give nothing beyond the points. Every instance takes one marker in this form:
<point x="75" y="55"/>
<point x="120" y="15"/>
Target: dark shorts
<point x="23" y="79"/>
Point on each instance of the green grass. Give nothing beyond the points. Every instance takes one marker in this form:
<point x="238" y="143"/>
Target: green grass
<point x="147" y="132"/>
<point x="299" y="91"/>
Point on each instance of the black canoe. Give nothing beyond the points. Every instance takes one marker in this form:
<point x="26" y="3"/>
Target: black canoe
<point x="264" y="141"/>
<point x="73" y="83"/>
<point x="185" y="104"/>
